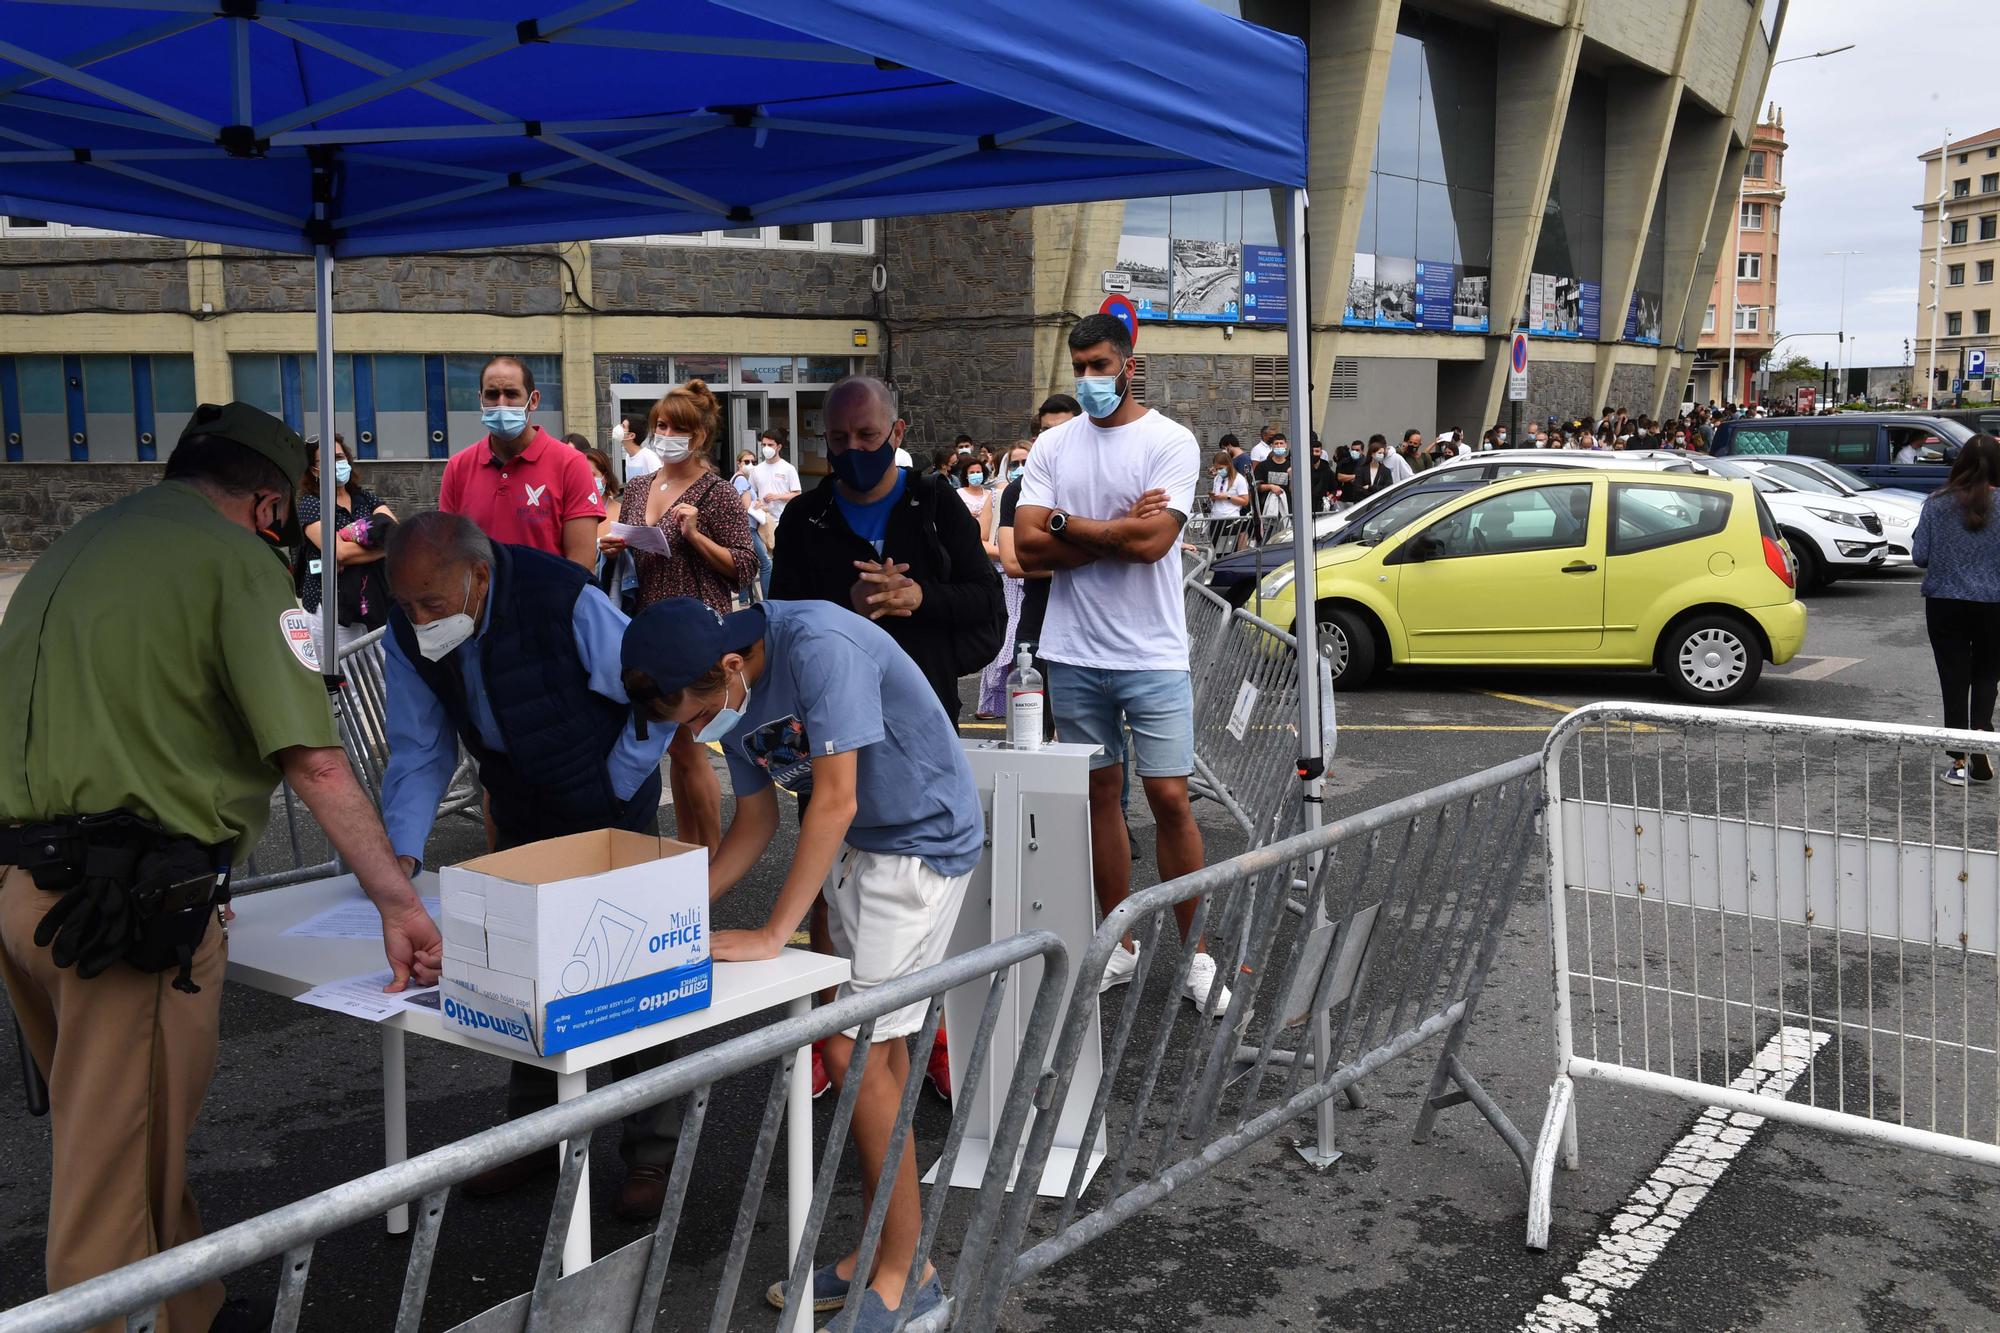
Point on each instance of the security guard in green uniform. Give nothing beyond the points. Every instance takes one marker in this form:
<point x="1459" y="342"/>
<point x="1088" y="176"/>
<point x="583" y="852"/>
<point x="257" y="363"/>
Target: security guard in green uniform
<point x="160" y="679"/>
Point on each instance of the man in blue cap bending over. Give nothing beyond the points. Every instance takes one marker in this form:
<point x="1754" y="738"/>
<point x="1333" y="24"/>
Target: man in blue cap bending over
<point x="810" y="697"/>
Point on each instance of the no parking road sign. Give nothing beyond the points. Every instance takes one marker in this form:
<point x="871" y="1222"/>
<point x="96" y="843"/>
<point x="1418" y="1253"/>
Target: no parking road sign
<point x="1517" y="369"/>
<point x="1127" y="314"/>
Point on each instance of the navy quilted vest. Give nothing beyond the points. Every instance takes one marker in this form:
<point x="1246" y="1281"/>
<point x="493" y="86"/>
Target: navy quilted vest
<point x="558" y="732"/>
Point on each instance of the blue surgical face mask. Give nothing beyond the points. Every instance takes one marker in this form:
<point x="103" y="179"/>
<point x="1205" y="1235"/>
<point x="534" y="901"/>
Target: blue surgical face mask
<point x="1016" y="472"/>
<point x="342" y="471"/>
<point x="504" y="423"/>
<point x="975" y="478"/>
<point x="726" y="718"/>
<point x="862" y="469"/>
<point x="1099" y="394"/>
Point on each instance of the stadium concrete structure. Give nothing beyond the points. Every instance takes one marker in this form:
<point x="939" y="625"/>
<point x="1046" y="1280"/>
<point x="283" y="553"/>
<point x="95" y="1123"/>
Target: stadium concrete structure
<point x="1564" y="166"/>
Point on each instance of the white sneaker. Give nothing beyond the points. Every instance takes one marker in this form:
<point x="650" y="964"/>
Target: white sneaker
<point x="1200" y="980"/>
<point x="1118" y="969"/>
<point x="1954" y="773"/>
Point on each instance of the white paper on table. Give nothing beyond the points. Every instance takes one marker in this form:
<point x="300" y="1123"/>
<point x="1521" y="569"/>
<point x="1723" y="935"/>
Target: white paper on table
<point x="641" y="538"/>
<point x="364" y="998"/>
<point x="355" y="920"/>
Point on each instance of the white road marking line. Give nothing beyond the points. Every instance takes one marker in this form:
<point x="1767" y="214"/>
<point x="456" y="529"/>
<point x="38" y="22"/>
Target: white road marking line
<point x="1665" y="1200"/>
<point x="1820" y="668"/>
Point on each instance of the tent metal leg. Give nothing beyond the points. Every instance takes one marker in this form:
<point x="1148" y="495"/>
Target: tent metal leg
<point x="329" y="605"/>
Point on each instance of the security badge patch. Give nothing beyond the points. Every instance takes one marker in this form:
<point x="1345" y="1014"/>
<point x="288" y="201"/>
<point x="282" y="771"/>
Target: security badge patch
<point x="297" y="628"/>
<point x="782" y="749"/>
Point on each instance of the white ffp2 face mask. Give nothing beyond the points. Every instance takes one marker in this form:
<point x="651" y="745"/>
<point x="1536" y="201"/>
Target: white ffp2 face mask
<point x="437" y="639"/>
<point x="672" y="448"/>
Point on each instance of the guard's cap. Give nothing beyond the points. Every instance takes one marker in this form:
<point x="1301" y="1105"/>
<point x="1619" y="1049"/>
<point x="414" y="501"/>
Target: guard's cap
<point x="679" y="640"/>
<point x="256" y="429"/>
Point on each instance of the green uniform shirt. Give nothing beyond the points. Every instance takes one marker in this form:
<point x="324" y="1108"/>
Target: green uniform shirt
<point x="155" y="659"/>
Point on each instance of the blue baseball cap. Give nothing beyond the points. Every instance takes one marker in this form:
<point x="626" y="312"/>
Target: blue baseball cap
<point x="679" y="640"/>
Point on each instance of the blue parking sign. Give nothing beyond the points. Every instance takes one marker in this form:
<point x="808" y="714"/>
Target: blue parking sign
<point x="1975" y="364"/>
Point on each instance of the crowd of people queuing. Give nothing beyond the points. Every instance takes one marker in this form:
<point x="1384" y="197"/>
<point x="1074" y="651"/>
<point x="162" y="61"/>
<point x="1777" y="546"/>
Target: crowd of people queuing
<point x="584" y="624"/>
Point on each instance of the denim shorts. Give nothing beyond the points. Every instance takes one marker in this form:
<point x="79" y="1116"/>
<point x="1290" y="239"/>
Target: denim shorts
<point x="1093" y="706"/>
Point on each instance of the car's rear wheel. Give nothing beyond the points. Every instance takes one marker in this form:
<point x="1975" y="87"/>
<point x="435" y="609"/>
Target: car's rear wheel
<point x="1347" y="644"/>
<point x="1712" y="659"/>
<point x="1809" y="569"/>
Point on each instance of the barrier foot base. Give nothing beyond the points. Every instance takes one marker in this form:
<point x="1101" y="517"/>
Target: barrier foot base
<point x="1315" y="1158"/>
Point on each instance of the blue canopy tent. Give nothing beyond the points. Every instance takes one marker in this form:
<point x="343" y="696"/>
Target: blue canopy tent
<point x="341" y="129"/>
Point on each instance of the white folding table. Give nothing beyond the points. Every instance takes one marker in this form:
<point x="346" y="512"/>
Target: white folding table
<point x="261" y="955"/>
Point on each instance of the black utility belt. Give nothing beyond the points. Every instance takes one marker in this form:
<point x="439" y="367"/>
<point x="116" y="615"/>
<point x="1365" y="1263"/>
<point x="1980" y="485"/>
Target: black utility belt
<point x="131" y="891"/>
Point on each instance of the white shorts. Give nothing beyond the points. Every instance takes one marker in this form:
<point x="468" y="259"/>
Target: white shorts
<point x="891" y="916"/>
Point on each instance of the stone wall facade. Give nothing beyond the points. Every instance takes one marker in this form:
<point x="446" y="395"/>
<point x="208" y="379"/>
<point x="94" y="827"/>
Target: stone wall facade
<point x="960" y="323"/>
<point x="530" y="283"/>
<point x="124" y="275"/>
<point x="41" y="501"/>
<point x="1632" y="389"/>
<point x="1559" y="389"/>
<point x="1210" y="395"/>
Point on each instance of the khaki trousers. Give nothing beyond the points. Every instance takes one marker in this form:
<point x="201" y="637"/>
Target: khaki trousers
<point x="128" y="1060"/>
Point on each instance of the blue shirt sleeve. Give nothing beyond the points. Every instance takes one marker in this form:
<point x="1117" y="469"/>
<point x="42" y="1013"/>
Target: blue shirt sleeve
<point x="600" y="636"/>
<point x="839" y="692"/>
<point x="423" y="754"/>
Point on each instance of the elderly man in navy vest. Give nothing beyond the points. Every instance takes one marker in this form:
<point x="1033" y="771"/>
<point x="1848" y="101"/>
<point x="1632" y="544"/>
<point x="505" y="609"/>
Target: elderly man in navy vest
<point x="517" y="654"/>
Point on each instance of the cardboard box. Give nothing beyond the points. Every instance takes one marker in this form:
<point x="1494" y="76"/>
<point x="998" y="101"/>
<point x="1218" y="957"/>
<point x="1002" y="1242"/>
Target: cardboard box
<point x="567" y="941"/>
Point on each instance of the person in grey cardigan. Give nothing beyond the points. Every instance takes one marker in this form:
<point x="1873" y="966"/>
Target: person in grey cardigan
<point x="1958" y="545"/>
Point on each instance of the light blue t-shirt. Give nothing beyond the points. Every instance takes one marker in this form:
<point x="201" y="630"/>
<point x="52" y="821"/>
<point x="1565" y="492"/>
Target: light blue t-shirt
<point x="870" y="521"/>
<point x="833" y="682"/>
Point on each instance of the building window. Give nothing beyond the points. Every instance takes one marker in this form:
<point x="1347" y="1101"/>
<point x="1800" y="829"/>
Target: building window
<point x="1954" y="324"/>
<point x="1985" y="270"/>
<point x="1989" y="182"/>
<point x="1982" y="321"/>
<point x="856" y="236"/>
<point x="1753" y="166"/>
<point x="1957" y="234"/>
<point x="1954" y="275"/>
<point x="1747" y="318"/>
<point x="1749" y="266"/>
<point x="24" y="229"/>
<point x="1963" y="157"/>
<point x="1708" y="320"/>
<point x="1961" y="187"/>
<point x="1989" y="226"/>
<point x="1753" y="217"/>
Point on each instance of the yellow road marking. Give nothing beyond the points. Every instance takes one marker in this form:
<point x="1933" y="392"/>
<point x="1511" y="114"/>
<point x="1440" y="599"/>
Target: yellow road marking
<point x="1527" y="700"/>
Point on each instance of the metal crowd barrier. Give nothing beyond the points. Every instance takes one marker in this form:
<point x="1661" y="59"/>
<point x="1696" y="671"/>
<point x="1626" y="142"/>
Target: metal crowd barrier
<point x="629" y="1287"/>
<point x="361" y="711"/>
<point x="1790" y="917"/>
<point x="1246" y="715"/>
<point x="1415" y="894"/>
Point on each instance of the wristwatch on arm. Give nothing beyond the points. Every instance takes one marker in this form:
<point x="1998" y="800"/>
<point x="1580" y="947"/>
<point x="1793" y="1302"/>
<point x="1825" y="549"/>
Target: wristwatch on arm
<point x="1058" y="521"/>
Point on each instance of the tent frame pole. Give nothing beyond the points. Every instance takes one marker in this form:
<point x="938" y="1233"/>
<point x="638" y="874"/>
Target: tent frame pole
<point x="1312" y="759"/>
<point x="329" y="543"/>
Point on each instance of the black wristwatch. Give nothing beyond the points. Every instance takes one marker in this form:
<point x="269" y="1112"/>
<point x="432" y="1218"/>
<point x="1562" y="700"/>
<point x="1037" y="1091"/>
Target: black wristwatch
<point x="1057" y="522"/>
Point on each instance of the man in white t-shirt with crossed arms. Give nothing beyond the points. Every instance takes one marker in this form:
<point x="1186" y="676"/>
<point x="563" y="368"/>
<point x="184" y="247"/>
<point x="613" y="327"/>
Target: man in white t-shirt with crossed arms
<point x="1102" y="507"/>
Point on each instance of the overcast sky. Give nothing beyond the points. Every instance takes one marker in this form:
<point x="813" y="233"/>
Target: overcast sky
<point x="1855" y="123"/>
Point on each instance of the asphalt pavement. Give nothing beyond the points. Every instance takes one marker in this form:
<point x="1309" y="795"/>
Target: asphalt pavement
<point x="1805" y="1231"/>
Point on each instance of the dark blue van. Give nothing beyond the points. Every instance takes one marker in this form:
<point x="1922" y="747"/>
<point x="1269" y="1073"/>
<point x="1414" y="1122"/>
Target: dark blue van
<point x="1900" y="450"/>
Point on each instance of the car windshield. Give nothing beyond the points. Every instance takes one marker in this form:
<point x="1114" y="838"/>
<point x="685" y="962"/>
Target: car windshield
<point x="1849" y="478"/>
<point x="1723" y="467"/>
<point x="1956" y="432"/>
<point x="1805" y="480"/>
<point x="1391" y="518"/>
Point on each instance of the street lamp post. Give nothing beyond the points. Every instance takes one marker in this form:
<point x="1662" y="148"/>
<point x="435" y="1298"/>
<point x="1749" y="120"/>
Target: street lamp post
<point x="1811" y="55"/>
<point x="1937" y="273"/>
<point x="1841" y="388"/>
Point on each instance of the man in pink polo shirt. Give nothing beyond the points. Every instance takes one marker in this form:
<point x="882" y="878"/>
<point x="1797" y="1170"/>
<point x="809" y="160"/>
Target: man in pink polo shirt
<point x="520" y="484"/>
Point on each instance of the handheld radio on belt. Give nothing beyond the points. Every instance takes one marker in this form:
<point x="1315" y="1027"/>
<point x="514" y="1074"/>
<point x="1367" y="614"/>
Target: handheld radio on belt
<point x="131" y="891"/>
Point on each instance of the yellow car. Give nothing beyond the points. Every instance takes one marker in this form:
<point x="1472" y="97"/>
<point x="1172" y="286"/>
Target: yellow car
<point x="1686" y="575"/>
